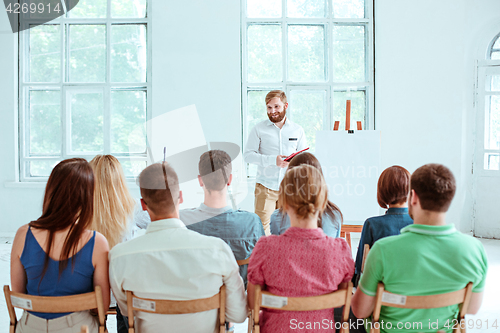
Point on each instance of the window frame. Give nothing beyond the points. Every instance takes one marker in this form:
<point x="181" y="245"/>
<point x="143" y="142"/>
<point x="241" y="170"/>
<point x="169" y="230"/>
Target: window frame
<point x="64" y="86"/>
<point x="287" y="85"/>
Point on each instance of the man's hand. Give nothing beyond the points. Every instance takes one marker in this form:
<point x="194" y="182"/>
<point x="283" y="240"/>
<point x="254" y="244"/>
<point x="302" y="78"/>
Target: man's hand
<point x="280" y="161"/>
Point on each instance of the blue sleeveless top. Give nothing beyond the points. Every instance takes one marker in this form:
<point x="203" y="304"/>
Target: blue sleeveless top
<point x="79" y="280"/>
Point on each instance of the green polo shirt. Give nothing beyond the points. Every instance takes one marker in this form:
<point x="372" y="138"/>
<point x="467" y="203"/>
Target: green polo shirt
<point x="423" y="260"/>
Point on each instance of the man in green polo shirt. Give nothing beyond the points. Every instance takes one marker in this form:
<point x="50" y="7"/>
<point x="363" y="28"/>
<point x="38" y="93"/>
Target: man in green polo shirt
<point x="429" y="257"/>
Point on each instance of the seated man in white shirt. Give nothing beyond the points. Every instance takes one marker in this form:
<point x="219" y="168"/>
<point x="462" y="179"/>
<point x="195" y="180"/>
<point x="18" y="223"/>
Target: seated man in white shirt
<point x="172" y="262"/>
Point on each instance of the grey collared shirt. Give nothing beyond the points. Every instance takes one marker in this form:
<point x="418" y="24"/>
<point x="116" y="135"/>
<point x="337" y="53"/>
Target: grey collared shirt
<point x="239" y="229"/>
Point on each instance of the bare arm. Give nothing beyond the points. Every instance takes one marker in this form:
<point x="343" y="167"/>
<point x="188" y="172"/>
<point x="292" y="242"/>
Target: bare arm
<point x="17" y="273"/>
<point x="362" y="305"/>
<point x="100" y="262"/>
<point x="251" y="295"/>
<point x="475" y="302"/>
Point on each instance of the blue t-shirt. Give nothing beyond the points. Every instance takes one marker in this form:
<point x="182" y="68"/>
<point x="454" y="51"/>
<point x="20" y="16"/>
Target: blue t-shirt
<point x="74" y="279"/>
<point x="280" y="223"/>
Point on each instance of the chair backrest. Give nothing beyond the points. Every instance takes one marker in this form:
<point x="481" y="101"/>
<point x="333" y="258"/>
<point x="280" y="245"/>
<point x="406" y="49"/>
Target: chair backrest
<point x="460" y="297"/>
<point x="366" y="249"/>
<point x="55" y="304"/>
<point x="161" y="306"/>
<point x="341" y="297"/>
<point x="243" y="262"/>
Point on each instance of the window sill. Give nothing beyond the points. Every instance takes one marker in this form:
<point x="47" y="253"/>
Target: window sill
<point x="42" y="184"/>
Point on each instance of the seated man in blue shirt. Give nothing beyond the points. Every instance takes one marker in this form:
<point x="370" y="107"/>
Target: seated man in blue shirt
<point x="239" y="229"/>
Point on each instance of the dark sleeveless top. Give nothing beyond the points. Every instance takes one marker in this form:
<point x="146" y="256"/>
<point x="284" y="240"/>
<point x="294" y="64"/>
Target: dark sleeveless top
<point x="72" y="281"/>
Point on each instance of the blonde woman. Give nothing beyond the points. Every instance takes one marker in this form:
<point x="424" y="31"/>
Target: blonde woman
<point x="303" y="261"/>
<point x="116" y="214"/>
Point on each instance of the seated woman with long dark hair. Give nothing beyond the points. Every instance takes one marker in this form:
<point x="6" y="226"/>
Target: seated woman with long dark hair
<point x="57" y="255"/>
<point x="303" y="261"/>
<point x="330" y="220"/>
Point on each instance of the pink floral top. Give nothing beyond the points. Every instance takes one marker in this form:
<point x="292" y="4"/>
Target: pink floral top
<point x="298" y="263"/>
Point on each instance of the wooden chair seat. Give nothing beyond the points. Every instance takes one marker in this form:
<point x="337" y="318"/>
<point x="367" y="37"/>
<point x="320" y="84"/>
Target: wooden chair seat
<point x="55" y="304"/>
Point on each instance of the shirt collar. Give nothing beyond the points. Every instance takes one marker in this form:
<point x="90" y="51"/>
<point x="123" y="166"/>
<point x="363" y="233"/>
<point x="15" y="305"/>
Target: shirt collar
<point x="296" y="232"/>
<point x="165" y="224"/>
<point x="270" y="123"/>
<point x="211" y="210"/>
<point x="397" y="211"/>
<point x="431" y="230"/>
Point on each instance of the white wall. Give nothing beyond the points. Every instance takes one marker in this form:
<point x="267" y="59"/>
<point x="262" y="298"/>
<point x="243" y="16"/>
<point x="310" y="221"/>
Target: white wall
<point x="425" y="53"/>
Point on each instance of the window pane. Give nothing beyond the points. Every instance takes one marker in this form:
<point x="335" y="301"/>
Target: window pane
<point x="492" y="132"/>
<point x="256" y="108"/>
<point x="45" y="53"/>
<point x="132" y="169"/>
<point x="491" y="161"/>
<point x="349" y="54"/>
<point x="128" y="8"/>
<point x="128" y="121"/>
<point x="493" y="82"/>
<point x="87" y="53"/>
<point x="358" y="106"/>
<point x="88" y="8"/>
<point x="264" y="8"/>
<point x="306" y="8"/>
<point x="497" y="44"/>
<point x="264" y="53"/>
<point x="45" y="122"/>
<point x="86" y="121"/>
<point x="128" y="53"/>
<point x="495" y="55"/>
<point x="40" y="168"/>
<point x="46" y="10"/>
<point x="306" y="53"/>
<point x="307" y="108"/>
<point x="348" y="8"/>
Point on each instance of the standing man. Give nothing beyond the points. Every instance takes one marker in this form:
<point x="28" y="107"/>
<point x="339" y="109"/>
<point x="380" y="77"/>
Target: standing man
<point x="269" y="143"/>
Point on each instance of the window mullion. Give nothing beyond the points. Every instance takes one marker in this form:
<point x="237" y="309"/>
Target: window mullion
<point x="107" y="88"/>
<point x="284" y="43"/>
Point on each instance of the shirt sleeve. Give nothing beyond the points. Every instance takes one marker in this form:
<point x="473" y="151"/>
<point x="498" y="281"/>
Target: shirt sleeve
<point x="236" y="299"/>
<point x="115" y="281"/>
<point x="257" y="260"/>
<point x="373" y="272"/>
<point x="348" y="262"/>
<point x="252" y="154"/>
<point x="479" y="287"/>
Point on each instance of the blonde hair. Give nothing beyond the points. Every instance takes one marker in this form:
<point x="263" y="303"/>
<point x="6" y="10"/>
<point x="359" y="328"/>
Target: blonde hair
<point x="276" y="93"/>
<point x="304" y="190"/>
<point x="113" y="204"/>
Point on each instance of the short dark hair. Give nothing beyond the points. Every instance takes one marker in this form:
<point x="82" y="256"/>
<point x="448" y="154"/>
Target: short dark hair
<point x="159" y="187"/>
<point x="435" y="187"/>
<point x="393" y="186"/>
<point x="215" y="168"/>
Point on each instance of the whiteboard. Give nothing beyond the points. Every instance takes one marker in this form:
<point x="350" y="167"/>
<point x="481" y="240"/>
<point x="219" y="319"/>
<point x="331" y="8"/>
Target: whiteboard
<point x="351" y="166"/>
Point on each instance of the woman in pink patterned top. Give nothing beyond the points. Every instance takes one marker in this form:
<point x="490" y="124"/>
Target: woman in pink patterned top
<point x="303" y="261"/>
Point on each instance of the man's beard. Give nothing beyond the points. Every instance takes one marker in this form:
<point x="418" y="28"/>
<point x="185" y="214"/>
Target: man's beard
<point x="276" y="118"/>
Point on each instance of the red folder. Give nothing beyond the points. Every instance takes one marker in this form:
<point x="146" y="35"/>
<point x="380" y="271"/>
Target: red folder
<point x="292" y="155"/>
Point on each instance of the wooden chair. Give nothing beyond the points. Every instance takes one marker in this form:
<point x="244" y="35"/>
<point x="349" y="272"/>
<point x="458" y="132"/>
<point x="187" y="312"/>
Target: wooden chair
<point x="243" y="262"/>
<point x="84" y="329"/>
<point x="55" y="304"/>
<point x="461" y="297"/>
<point x="346" y="229"/>
<point x="160" y="306"/>
<point x="341" y="297"/>
<point x="365" y="255"/>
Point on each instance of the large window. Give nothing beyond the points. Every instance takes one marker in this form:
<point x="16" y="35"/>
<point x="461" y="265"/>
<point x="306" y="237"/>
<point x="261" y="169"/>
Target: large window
<point x="84" y="85"/>
<point x="320" y="52"/>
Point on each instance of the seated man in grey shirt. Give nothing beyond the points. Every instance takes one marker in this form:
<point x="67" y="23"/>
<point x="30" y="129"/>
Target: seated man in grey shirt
<point x="239" y="229"/>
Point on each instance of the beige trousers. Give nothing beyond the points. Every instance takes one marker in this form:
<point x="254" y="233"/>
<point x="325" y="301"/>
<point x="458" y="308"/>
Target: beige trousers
<point x="71" y="323"/>
<point x="266" y="202"/>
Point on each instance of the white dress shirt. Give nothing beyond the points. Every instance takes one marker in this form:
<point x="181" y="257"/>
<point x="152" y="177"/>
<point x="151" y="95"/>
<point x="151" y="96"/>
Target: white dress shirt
<point x="172" y="262"/>
<point x="265" y="142"/>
